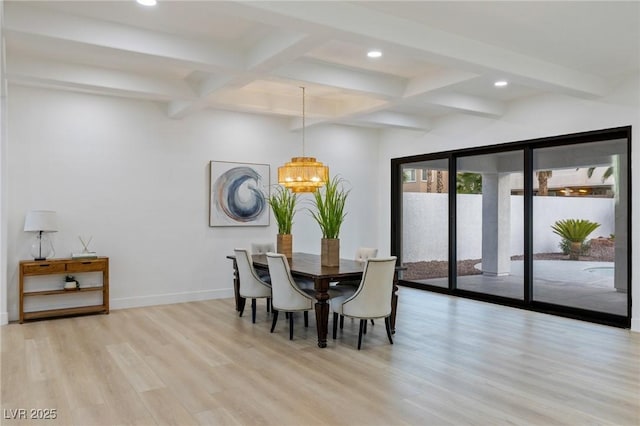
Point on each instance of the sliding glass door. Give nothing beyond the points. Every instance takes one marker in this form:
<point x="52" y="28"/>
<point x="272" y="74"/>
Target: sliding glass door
<point x="425" y="219"/>
<point x="580" y="206"/>
<point x="541" y="224"/>
<point x="490" y="224"/>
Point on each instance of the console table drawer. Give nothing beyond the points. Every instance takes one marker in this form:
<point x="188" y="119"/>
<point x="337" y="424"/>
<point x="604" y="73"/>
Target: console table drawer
<point x="44" y="268"/>
<point x="87" y="265"/>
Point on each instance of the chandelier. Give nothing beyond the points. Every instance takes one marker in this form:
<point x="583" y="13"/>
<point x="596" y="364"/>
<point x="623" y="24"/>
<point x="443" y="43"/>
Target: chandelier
<point x="303" y="174"/>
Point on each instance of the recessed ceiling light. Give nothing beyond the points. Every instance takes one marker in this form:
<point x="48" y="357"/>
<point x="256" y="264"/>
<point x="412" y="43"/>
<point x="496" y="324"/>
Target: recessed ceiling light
<point x="374" y="53"/>
<point x="500" y="83"/>
<point x="147" y="2"/>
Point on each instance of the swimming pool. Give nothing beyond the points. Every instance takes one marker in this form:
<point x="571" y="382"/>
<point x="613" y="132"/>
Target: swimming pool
<point x="606" y="271"/>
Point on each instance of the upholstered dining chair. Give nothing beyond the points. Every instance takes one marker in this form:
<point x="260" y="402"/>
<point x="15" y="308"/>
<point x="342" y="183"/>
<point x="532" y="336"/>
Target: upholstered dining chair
<point x="287" y="293"/>
<point x="362" y="254"/>
<point x="251" y="286"/>
<point x="263" y="248"/>
<point x="372" y="298"/>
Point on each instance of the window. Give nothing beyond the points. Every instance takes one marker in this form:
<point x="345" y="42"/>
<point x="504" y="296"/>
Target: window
<point x="409" y="175"/>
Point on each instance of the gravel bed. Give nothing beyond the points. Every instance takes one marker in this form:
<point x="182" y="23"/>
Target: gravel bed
<point x="602" y="250"/>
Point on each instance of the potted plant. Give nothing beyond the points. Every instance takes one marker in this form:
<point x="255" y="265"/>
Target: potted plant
<point x="574" y="232"/>
<point x="329" y="203"/>
<point x="283" y="204"/>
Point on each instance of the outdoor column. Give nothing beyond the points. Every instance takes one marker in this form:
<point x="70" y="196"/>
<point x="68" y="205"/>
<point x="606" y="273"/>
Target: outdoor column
<point x="496" y="223"/>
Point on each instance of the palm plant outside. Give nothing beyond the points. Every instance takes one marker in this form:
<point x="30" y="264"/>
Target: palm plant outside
<point x="283" y="204"/>
<point x="574" y="232"/>
<point x="329" y="203"/>
<point x="607" y="173"/>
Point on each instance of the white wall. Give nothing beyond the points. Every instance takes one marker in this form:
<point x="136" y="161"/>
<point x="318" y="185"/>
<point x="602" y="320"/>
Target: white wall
<point x="136" y="181"/>
<point x="425" y="223"/>
<point x="3" y="174"/>
<point x="534" y="117"/>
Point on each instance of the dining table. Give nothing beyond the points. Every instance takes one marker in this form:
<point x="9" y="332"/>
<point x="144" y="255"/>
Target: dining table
<point x="309" y="266"/>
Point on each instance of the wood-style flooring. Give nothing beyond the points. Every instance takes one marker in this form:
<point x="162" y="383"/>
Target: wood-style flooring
<point x="454" y="362"/>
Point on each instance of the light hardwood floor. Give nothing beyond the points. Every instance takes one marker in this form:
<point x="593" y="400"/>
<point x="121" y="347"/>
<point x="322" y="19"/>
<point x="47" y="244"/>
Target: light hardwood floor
<point x="454" y="362"/>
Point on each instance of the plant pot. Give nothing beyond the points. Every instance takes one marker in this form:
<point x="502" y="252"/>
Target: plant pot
<point x="284" y="245"/>
<point x="330" y="252"/>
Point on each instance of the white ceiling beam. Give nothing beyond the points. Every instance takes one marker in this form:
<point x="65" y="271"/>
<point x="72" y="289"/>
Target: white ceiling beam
<point x="279" y="48"/>
<point x="445" y="48"/>
<point x="468" y="104"/>
<point x="370" y="83"/>
<point x="57" y="74"/>
<point x="258" y="101"/>
<point x="393" y="119"/>
<point x="437" y="80"/>
<point x="58" y="26"/>
<point x="274" y="50"/>
<point x="179" y="109"/>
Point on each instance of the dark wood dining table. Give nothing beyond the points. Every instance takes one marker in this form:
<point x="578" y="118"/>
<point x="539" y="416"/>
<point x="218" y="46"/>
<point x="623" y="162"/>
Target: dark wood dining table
<point x="308" y="265"/>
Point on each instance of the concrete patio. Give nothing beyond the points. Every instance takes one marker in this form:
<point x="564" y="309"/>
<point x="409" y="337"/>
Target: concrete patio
<point x="578" y="284"/>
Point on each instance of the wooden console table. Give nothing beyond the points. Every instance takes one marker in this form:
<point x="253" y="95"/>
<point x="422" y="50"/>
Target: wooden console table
<point x="64" y="267"/>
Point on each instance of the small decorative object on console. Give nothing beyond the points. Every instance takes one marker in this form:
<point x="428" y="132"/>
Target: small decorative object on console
<point x="70" y="283"/>
<point x="86" y="254"/>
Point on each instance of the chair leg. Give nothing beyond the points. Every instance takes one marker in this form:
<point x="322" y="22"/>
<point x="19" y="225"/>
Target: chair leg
<point x="275" y="320"/>
<point x="253" y="311"/>
<point x="341" y="322"/>
<point x="335" y="324"/>
<point x="268" y="304"/>
<point x="372" y="323"/>
<point x="241" y="303"/>
<point x="306" y="318"/>
<point x="290" y="325"/>
<point x="387" y="323"/>
<point x="363" y="323"/>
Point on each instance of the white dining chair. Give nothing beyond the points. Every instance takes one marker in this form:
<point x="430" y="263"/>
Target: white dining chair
<point x="287" y="294"/>
<point x="263" y="248"/>
<point x="362" y="254"/>
<point x="372" y="298"/>
<point x="251" y="286"/>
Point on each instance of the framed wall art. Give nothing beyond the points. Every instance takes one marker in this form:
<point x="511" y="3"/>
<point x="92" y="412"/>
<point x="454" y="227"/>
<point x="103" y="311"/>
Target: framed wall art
<point x="238" y="194"/>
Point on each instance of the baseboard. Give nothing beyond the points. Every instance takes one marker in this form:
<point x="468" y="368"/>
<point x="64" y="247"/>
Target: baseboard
<point x="4" y="318"/>
<point x="167" y="299"/>
<point x="635" y="325"/>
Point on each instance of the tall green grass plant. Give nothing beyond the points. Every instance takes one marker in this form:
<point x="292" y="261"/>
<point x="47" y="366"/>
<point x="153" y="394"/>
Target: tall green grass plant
<point x="283" y="203"/>
<point x="329" y="207"/>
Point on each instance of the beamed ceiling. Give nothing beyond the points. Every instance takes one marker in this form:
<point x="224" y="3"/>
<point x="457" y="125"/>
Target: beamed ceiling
<point x="439" y="58"/>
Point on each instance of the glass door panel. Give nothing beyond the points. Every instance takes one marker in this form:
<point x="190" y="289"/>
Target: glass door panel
<point x="580" y="211"/>
<point x="425" y="224"/>
<point x="490" y="224"/>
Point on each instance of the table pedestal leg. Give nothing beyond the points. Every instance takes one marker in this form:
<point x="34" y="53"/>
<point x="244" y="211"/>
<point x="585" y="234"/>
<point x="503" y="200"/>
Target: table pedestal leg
<point x="236" y="287"/>
<point x="322" y="311"/>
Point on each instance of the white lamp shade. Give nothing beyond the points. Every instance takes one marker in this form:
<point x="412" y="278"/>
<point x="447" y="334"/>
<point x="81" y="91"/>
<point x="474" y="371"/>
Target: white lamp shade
<point x="41" y="220"/>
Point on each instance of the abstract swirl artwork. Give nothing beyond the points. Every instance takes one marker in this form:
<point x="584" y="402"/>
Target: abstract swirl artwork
<point x="239" y="194"/>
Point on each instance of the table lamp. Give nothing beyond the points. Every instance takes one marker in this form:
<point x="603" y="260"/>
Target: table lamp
<point x="41" y="222"/>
